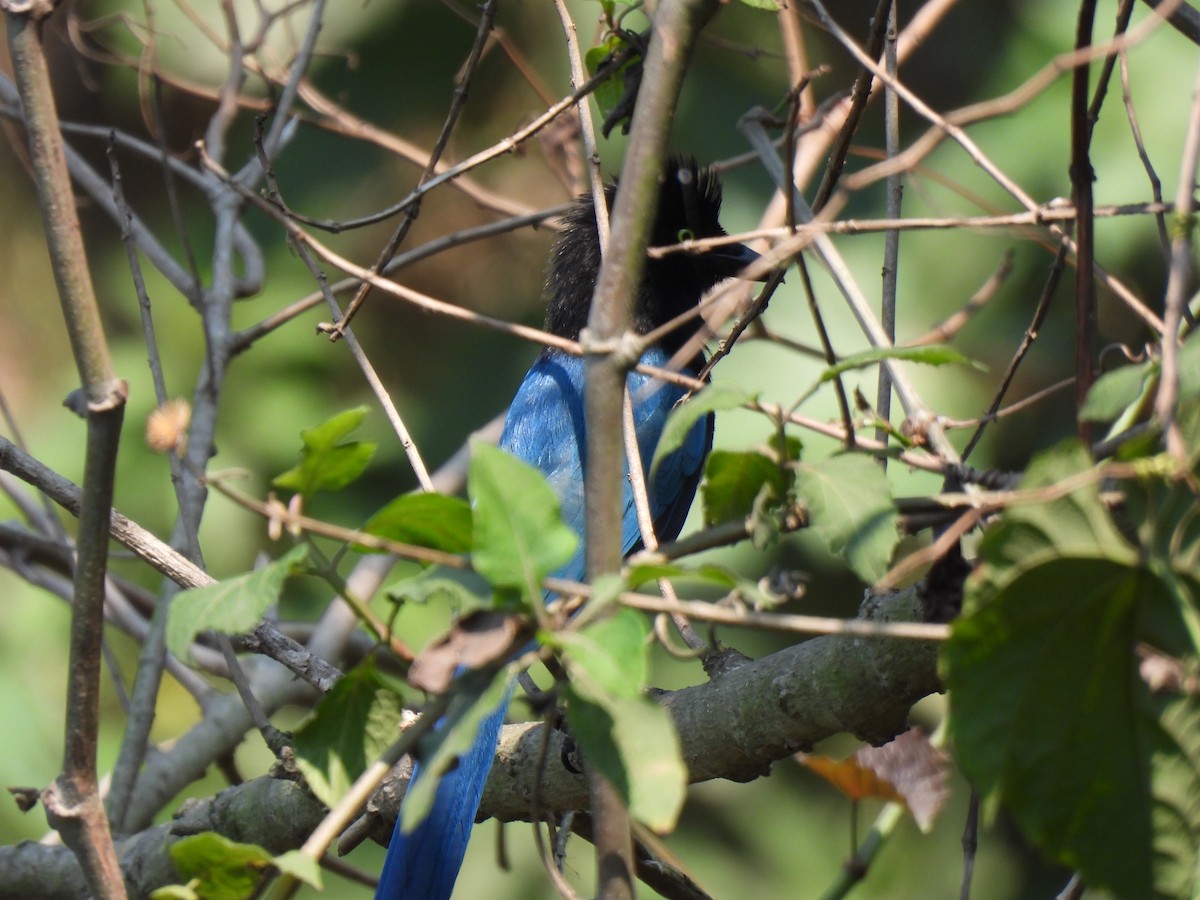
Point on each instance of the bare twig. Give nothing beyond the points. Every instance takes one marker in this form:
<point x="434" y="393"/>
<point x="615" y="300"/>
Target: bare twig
<point x="1179" y="281"/>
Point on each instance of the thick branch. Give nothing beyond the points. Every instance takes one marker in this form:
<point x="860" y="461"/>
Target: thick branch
<point x="733" y="728"/>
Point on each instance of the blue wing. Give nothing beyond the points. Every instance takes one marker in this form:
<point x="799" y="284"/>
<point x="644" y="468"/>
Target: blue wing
<point x="545" y="427"/>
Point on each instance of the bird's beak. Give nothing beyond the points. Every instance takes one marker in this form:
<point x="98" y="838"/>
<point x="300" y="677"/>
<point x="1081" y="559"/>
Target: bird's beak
<point x="730" y="260"/>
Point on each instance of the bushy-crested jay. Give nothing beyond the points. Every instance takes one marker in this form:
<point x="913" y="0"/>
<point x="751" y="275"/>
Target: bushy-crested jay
<point x="546" y="428"/>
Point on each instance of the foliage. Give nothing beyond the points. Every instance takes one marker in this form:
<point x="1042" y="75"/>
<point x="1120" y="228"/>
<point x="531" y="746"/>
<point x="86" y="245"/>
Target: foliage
<point x="1072" y="672"/>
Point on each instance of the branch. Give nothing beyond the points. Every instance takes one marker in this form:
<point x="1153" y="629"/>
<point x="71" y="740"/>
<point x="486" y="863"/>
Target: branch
<point x="675" y="28"/>
<point x="72" y="801"/>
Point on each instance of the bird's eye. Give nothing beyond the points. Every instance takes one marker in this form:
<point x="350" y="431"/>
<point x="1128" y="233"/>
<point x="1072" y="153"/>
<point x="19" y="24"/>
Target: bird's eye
<point x="685" y="234"/>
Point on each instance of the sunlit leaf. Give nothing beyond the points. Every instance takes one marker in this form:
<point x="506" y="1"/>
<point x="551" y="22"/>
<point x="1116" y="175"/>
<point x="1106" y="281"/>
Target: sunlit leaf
<point x="850" y="505"/>
<point x="221" y="869"/>
<point x="625" y="735"/>
<point x="851" y="777"/>
<point x="519" y="537"/>
<point x="232" y="606"/>
<point x="326" y="463"/>
<point x="679" y="423"/>
<point x="425" y="519"/>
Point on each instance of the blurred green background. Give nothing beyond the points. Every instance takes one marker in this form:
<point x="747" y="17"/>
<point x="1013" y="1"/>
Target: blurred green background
<point x="393" y="64"/>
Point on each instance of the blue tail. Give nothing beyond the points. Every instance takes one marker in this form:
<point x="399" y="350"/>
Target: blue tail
<point x="545" y="429"/>
<point x="423" y="865"/>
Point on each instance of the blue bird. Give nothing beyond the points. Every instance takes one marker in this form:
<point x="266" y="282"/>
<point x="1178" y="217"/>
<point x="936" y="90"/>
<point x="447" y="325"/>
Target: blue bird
<point x="546" y="428"/>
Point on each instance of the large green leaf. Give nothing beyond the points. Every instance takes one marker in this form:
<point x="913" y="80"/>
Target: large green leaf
<point x="1049" y="712"/>
<point x="627" y="736"/>
<point x="427" y="520"/>
<point x="351" y="726"/>
<point x="232" y="606"/>
<point x="326" y="463"/>
<point x="850" y="504"/>
<point x="519" y="537"/>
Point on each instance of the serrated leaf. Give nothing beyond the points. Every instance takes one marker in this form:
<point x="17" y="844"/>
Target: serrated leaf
<point x="477" y="695"/>
<point x="733" y="482"/>
<point x="426" y="520"/>
<point x="713" y="398"/>
<point x="1050" y="713"/>
<point x="232" y="606"/>
<point x="325" y="464"/>
<point x="850" y="505"/>
<point x="518" y="536"/>
<point x="1115" y="391"/>
<point x="350" y="727"/>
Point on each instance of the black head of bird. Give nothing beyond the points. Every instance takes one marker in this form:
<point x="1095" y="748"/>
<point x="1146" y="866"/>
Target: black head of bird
<point x="689" y="205"/>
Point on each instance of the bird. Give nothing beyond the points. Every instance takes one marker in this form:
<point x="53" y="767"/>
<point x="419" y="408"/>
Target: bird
<point x="546" y="428"/>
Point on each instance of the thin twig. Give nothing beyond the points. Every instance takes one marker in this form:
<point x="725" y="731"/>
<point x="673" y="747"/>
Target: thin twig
<point x="1179" y="282"/>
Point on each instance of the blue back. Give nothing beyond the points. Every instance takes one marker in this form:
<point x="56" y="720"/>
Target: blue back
<point x="545" y="427"/>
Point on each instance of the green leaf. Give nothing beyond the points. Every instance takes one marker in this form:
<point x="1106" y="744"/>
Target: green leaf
<point x="608" y="92"/>
<point x="477" y="693"/>
<point x="519" y="537"/>
<point x="931" y="355"/>
<point x="1188" y="364"/>
<point x="734" y="481"/>
<point x="679" y="423"/>
<point x="350" y="727"/>
<point x="325" y="464"/>
<point x="850" y="502"/>
<point x="462" y="589"/>
<point x="1050" y="714"/>
<point x="1116" y="391"/>
<point x="607" y="656"/>
<point x="221" y="869"/>
<point x="426" y="520"/>
<point x="300" y="866"/>
<point x="626" y="736"/>
<point x="177" y="891"/>
<point x="637" y="575"/>
<point x="232" y="606"/>
<point x="768" y="5"/>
